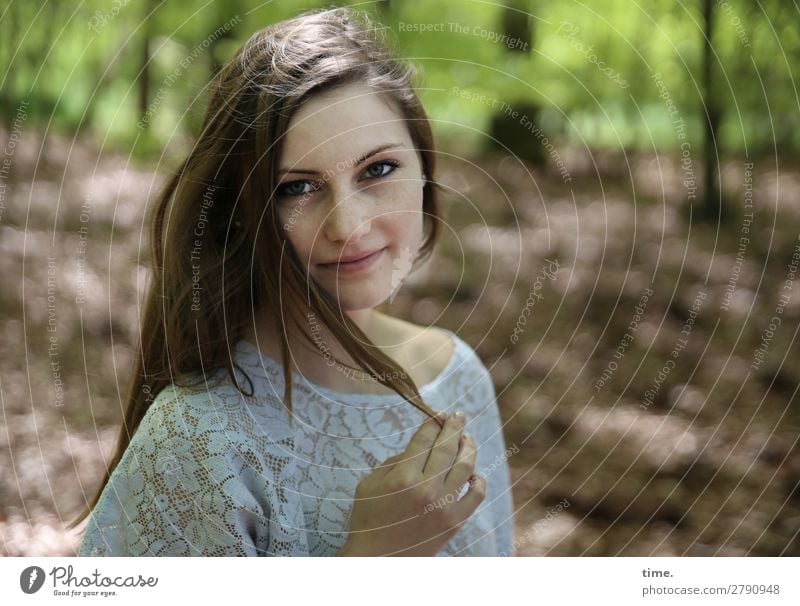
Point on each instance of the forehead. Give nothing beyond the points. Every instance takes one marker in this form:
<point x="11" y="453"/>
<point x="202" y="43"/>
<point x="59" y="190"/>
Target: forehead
<point x="341" y="124"/>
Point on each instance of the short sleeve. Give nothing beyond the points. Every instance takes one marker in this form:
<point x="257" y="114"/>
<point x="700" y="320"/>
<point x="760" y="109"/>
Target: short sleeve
<point x="492" y="462"/>
<point x="197" y="479"/>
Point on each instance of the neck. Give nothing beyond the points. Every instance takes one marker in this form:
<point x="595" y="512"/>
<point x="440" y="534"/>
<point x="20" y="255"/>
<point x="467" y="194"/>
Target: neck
<point x="363" y="318"/>
<point x="263" y="334"/>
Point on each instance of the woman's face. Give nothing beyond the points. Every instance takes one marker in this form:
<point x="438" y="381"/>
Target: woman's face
<point x="349" y="185"/>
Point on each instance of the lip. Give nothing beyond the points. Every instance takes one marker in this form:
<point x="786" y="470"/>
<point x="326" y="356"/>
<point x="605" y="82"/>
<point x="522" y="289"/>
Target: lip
<point x="356" y="263"/>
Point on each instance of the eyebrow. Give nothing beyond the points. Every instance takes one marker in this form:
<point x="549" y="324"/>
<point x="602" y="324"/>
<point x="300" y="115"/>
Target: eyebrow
<point x="369" y="154"/>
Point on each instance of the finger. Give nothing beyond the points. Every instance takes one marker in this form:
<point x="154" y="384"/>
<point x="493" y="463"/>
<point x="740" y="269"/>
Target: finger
<point x="445" y="449"/>
<point x="464" y="465"/>
<point x="388" y="464"/>
<point x="466" y="505"/>
<point x="416" y="453"/>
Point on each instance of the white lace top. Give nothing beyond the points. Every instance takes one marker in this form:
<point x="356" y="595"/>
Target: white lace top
<point x="214" y="473"/>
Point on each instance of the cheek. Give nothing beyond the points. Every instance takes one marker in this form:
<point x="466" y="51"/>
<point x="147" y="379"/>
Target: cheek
<point x="406" y="213"/>
<point x="402" y="200"/>
<point x="407" y="227"/>
<point x="298" y="235"/>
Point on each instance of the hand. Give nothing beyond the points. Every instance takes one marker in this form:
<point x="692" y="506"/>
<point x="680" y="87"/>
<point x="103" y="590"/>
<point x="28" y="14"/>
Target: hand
<point x="409" y="505"/>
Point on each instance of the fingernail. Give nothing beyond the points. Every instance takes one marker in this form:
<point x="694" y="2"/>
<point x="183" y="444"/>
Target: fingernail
<point x="460" y="417"/>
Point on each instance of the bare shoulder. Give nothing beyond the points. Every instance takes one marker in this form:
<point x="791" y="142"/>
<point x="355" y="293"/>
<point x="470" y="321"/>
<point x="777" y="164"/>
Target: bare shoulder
<point x="425" y="352"/>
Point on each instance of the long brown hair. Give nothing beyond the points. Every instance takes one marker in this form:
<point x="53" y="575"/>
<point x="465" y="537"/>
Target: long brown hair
<point x="206" y="288"/>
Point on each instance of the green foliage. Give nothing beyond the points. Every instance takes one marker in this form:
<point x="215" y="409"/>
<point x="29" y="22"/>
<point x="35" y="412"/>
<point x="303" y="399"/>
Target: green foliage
<point x="589" y="66"/>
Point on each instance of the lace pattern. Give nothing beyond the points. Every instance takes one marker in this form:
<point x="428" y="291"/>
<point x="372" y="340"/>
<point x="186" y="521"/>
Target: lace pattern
<point x="212" y="472"/>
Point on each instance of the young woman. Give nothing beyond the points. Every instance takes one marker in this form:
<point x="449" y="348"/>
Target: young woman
<point x="273" y="410"/>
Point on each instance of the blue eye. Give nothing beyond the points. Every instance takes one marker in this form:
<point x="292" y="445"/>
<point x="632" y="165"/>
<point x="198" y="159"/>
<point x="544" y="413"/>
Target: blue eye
<point x="294" y="189"/>
<point x="392" y="164"/>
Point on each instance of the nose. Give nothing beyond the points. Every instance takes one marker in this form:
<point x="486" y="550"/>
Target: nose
<point x="348" y="218"/>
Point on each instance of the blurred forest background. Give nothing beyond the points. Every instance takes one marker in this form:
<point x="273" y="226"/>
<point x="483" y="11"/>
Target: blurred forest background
<point x="621" y="248"/>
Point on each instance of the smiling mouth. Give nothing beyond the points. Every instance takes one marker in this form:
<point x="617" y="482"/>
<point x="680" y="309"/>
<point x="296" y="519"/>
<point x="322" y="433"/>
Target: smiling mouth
<point x="354" y="266"/>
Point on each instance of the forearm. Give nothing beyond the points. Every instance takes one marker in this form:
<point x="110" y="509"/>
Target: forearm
<point x="350" y="549"/>
<point x="343" y="551"/>
<point x="347" y="551"/>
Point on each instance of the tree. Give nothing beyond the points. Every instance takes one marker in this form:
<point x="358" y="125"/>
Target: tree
<point x="712" y="206"/>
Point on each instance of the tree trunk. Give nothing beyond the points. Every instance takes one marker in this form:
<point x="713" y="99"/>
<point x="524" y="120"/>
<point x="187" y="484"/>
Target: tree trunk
<point x="712" y="204"/>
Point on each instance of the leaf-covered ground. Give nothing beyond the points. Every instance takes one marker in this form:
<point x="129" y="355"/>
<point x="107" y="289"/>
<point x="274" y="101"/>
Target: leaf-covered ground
<point x="639" y="424"/>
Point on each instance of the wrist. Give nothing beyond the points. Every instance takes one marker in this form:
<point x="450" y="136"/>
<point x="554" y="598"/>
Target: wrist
<point x="350" y="549"/>
<point x="346" y="550"/>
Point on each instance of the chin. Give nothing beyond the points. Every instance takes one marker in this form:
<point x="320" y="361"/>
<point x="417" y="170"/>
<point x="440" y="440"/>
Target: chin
<point x="360" y="296"/>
